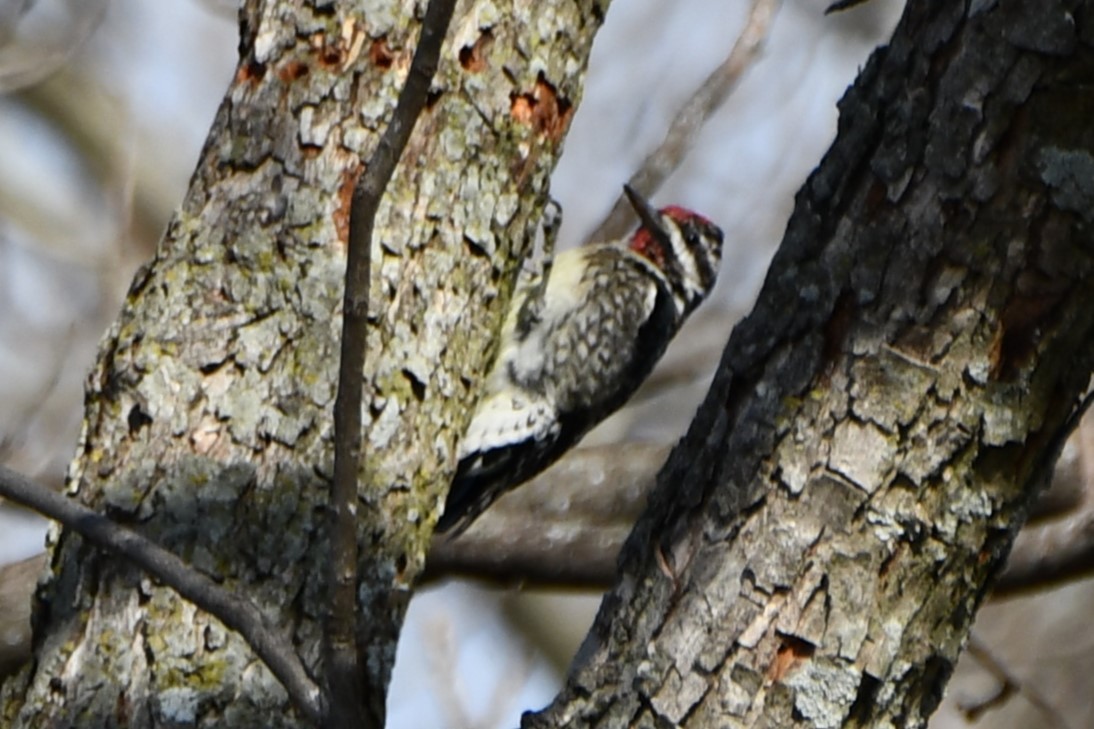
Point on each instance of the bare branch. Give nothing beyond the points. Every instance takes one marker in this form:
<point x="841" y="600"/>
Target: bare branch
<point x="1009" y="685"/>
<point x="344" y="676"/>
<point x="691" y="118"/>
<point x="583" y="509"/>
<point x="564" y="527"/>
<point x="1050" y="553"/>
<point x="17" y="583"/>
<point x="236" y="613"/>
<point x="90" y="120"/>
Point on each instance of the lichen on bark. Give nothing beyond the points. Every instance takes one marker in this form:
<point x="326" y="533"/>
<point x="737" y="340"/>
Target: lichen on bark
<point x="208" y="413"/>
<point x="820" y="541"/>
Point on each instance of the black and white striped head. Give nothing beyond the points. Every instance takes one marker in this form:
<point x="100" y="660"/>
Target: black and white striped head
<point x="685" y="247"/>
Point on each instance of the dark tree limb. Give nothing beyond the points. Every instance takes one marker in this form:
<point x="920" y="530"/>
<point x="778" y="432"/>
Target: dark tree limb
<point x="237" y="613"/>
<point x="344" y="676"/>
<point x="819" y="542"/>
<point x="842" y="5"/>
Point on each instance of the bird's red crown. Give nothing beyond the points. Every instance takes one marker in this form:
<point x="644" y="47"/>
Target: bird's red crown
<point x="646" y="244"/>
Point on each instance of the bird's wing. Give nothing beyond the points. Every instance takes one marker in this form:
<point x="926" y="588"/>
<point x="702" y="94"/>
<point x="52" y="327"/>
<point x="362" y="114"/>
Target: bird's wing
<point x="508" y="429"/>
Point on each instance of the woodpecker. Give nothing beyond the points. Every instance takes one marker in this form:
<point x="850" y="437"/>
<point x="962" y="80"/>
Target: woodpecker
<point x="576" y="343"/>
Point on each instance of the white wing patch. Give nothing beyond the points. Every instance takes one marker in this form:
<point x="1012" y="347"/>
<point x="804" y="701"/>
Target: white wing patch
<point x="506" y="418"/>
<point x="567" y="286"/>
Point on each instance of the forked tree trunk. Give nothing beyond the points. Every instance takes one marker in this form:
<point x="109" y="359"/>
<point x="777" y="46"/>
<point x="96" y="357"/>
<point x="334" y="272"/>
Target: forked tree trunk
<point x="208" y="414"/>
<point x="819" y="543"/>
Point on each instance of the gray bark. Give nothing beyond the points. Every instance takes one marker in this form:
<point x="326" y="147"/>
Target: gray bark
<point x="818" y="544"/>
<point x="207" y="421"/>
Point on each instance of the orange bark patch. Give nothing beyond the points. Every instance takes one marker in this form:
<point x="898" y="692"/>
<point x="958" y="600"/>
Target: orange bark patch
<point x="340" y="52"/>
<point x="250" y="72"/>
<point x="379" y="53"/>
<point x="544" y="110"/>
<point x="292" y="71"/>
<point x="330" y="55"/>
<point x="345" y="202"/>
<point x="473" y="57"/>
<point x="792" y="653"/>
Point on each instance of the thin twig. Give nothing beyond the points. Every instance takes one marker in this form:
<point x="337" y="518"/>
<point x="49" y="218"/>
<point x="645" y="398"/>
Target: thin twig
<point x="344" y="676"/>
<point x="691" y="118"/>
<point x="1010" y="685"/>
<point x="236" y="613"/>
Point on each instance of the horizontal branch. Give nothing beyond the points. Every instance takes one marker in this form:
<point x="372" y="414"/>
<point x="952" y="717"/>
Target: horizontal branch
<point x="566" y="526"/>
<point x="236" y="613"/>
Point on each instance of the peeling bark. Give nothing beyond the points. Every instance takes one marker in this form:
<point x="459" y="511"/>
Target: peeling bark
<point x="208" y="414"/>
<point x="818" y="544"/>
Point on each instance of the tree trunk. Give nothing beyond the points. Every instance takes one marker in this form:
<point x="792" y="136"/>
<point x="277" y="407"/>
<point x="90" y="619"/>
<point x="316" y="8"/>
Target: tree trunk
<point x="207" y="422"/>
<point x="818" y="544"/>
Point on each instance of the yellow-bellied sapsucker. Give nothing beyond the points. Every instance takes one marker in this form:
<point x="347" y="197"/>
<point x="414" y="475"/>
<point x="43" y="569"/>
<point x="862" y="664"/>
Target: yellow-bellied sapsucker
<point x="575" y="348"/>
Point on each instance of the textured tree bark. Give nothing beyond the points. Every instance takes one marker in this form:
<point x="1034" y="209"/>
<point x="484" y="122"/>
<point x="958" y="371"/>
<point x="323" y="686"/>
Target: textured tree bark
<point x="818" y="544"/>
<point x="208" y="415"/>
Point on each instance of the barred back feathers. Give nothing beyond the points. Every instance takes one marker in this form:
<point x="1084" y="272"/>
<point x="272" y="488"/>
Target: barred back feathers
<point x="573" y="351"/>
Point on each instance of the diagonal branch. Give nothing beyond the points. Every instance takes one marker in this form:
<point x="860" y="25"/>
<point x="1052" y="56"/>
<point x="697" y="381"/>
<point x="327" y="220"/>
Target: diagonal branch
<point x="685" y="127"/>
<point x="344" y="677"/>
<point x="238" y="614"/>
<point x="1009" y="685"/>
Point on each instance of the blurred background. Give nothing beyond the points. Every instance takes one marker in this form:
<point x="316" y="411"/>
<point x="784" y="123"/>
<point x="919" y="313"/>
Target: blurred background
<point x="103" y="109"/>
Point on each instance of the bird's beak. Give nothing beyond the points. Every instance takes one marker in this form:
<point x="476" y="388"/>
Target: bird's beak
<point x="651" y="219"/>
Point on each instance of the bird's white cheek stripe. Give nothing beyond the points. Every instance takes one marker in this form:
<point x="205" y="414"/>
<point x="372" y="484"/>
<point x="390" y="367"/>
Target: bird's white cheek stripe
<point x="685" y="258"/>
